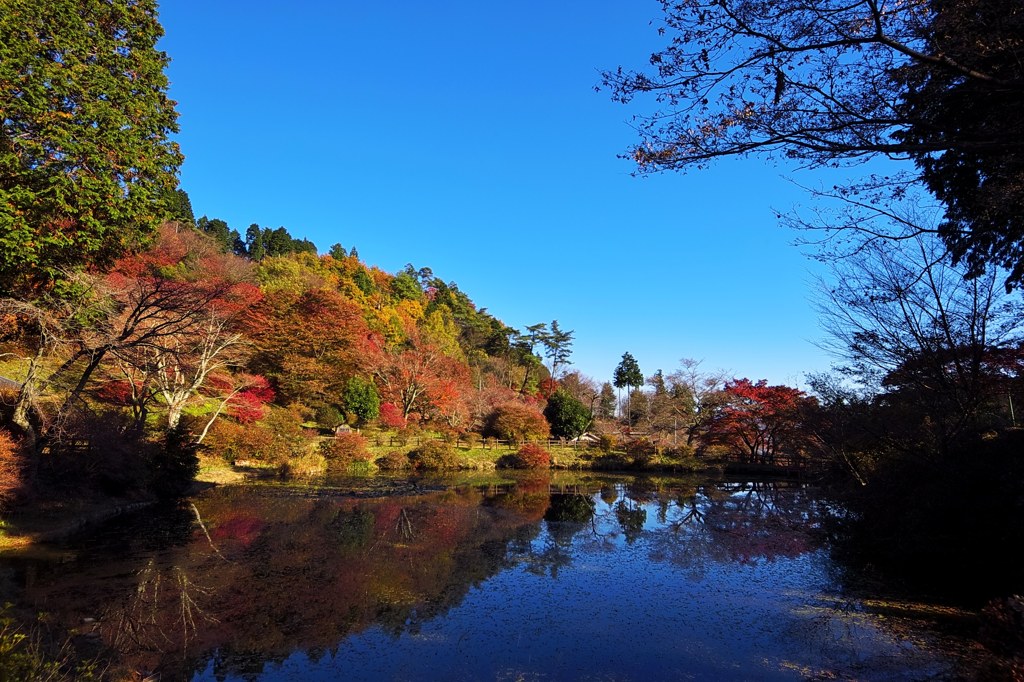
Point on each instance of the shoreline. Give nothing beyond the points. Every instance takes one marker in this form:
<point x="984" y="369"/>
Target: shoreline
<point x="31" y="527"/>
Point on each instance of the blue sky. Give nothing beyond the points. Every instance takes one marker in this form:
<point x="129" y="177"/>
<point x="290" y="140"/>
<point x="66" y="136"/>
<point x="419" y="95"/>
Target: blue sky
<point x="467" y="137"/>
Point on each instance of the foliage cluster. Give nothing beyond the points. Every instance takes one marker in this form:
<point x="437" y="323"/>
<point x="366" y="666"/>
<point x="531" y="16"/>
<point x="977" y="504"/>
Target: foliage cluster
<point x="345" y="449"/>
<point x="394" y="460"/>
<point x="435" y="456"/>
<point x="517" y="422"/>
<point x="567" y="415"/>
<point x="12" y="470"/>
<point x="528" y="456"/>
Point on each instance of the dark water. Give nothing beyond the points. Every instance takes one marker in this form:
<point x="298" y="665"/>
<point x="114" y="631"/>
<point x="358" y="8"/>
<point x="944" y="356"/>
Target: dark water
<point x="580" y="578"/>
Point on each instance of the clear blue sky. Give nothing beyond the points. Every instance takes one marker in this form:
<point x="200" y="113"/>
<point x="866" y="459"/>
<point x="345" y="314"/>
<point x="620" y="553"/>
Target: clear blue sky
<point x="467" y="137"/>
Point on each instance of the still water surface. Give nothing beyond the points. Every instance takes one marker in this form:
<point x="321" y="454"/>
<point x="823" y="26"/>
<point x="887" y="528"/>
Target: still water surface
<point x="578" y="578"/>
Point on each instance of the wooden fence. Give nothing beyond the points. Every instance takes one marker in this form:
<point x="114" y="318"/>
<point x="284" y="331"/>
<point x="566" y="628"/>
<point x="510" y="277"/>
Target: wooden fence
<point x="482" y="443"/>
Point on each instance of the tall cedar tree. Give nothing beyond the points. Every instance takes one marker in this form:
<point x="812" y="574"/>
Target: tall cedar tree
<point x="86" y="159"/>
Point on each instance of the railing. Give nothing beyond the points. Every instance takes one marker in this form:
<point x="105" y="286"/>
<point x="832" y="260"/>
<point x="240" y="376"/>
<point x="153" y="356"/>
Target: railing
<point x="482" y="443"/>
<point x="71" y="446"/>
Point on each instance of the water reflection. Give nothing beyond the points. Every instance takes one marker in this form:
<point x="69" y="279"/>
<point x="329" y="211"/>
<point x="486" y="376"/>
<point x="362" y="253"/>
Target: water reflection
<point x="586" y="578"/>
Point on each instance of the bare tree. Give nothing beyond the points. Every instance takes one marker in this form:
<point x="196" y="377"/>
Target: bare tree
<point x="129" y="316"/>
<point x="908" y="322"/>
<point x="182" y="369"/>
<point x="696" y="394"/>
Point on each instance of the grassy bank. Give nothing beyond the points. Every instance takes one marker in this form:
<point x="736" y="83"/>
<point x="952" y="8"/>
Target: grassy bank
<point x="47" y="519"/>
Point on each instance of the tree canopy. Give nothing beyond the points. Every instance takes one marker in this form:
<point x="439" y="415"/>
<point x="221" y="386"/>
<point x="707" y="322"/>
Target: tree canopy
<point x="86" y="160"/>
<point x="568" y="417"/>
<point x="824" y="83"/>
<point x="627" y="373"/>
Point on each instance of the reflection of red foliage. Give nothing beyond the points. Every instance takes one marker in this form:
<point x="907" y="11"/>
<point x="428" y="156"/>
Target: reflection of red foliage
<point x="781" y="545"/>
<point x="534" y="482"/>
<point x="243" y="529"/>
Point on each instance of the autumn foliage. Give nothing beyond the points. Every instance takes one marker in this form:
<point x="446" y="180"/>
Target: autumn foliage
<point x="241" y="351"/>
<point x="344" y="449"/>
<point x="435" y="456"/>
<point x="391" y="416"/>
<point x="12" y="469"/>
<point x="518" y="422"/>
<point x="758" y="422"/>
<point x="529" y="456"/>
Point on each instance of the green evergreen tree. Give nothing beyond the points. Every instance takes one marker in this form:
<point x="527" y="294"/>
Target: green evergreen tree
<point x="87" y="163"/>
<point x="361" y="398"/>
<point x="628" y="375"/>
<point x="568" y="417"/>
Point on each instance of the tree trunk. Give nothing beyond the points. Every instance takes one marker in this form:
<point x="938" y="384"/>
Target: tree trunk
<point x="22" y="418"/>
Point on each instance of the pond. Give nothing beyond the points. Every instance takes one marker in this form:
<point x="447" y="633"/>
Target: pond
<point x="587" y="577"/>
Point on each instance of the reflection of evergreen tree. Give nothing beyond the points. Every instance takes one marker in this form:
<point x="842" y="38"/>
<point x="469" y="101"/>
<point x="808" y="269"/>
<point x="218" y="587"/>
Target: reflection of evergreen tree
<point x="570" y="508"/>
<point x="568" y="515"/>
<point x="354" y="528"/>
<point x="631" y="518"/>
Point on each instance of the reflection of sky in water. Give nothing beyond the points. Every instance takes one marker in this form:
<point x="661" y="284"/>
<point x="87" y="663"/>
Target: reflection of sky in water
<point x="734" y="591"/>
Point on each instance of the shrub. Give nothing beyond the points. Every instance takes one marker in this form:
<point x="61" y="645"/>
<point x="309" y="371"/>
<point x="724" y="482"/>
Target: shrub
<point x="344" y="449"/>
<point x="641" y="451"/>
<point x="308" y="466"/>
<point x="568" y="417"/>
<point x="529" y="456"/>
<point x="606" y="442"/>
<point x="682" y="456"/>
<point x="329" y="417"/>
<point x="435" y="456"/>
<point x="518" y="423"/>
<point x="290" y="439"/>
<point x="361" y="399"/>
<point x="395" y="460"/>
<point x="407" y="433"/>
<point x="234" y="442"/>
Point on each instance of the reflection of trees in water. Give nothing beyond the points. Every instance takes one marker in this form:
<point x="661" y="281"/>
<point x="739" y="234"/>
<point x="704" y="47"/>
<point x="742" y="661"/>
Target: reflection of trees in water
<point x="567" y="514"/>
<point x="631" y="517"/>
<point x="737" y="522"/>
<point x="163" y="614"/>
<point x="696" y="525"/>
<point x="264" y="576"/>
<point x="270" y="573"/>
